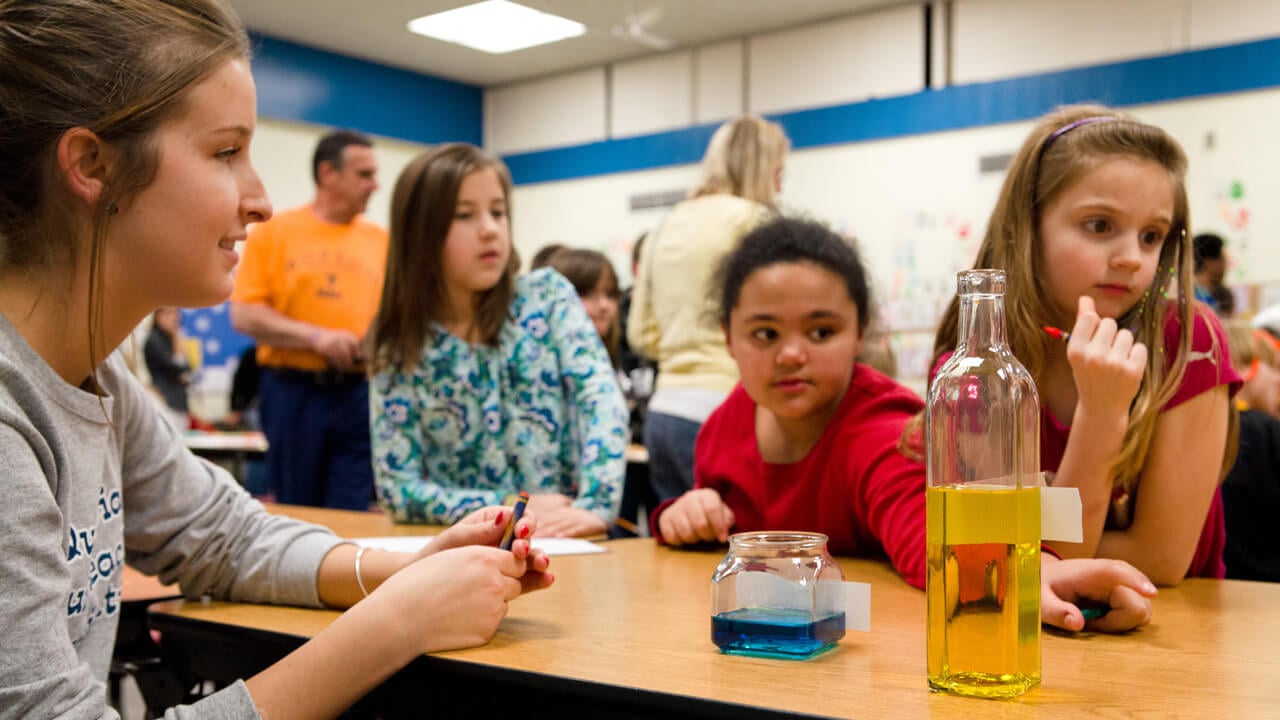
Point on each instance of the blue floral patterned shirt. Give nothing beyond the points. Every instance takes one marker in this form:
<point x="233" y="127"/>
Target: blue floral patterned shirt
<point x="540" y="412"/>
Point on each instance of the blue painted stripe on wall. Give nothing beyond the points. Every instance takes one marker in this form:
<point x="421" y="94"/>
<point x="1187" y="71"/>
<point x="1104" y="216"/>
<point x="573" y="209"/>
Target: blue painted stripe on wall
<point x="296" y="82"/>
<point x="1235" y="68"/>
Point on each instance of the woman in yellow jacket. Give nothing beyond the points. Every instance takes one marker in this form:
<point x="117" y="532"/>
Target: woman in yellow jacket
<point x="669" y="320"/>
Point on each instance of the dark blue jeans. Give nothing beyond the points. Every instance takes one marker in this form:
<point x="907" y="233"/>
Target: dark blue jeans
<point x="670" y="442"/>
<point x="318" y="440"/>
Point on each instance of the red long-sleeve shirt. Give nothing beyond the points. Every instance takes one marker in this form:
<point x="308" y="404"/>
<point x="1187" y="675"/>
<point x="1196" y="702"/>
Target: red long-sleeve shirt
<point x="854" y="485"/>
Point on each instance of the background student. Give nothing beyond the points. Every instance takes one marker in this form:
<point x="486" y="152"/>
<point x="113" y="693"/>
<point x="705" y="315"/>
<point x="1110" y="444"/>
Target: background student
<point x="307" y="289"/>
<point x="1091" y="227"/>
<point x="1251" y="490"/>
<point x="810" y="439"/>
<point x="113" y="204"/>
<point x="486" y="383"/>
<point x="167" y="363"/>
<point x="594" y="279"/>
<point x="1210" y="269"/>
<point x="741" y="177"/>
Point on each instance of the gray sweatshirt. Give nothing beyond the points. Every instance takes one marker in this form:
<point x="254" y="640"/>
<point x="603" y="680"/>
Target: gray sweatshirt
<point x="91" y="483"/>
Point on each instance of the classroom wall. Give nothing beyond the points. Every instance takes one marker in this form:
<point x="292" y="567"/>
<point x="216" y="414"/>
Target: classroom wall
<point x="994" y="39"/>
<point x="877" y="54"/>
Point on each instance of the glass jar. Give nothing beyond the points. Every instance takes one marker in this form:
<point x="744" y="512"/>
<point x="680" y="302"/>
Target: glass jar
<point x="982" y="506"/>
<point x="777" y="594"/>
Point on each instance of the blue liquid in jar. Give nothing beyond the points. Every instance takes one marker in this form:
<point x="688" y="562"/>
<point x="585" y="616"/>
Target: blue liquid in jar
<point x="778" y="633"/>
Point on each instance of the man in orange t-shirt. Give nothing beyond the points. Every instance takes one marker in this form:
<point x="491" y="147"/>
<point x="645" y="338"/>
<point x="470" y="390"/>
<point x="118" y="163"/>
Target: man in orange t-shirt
<point x="306" y="291"/>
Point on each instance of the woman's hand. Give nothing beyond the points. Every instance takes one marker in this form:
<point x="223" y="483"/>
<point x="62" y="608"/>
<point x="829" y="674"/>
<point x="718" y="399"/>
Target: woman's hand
<point x="1106" y="361"/>
<point x="546" y="503"/>
<point x="455" y="598"/>
<point x="697" y="516"/>
<point x="1113" y="583"/>
<point x="572" y="522"/>
<point x="485" y="526"/>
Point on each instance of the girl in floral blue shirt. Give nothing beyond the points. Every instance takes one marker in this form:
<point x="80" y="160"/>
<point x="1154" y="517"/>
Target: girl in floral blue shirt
<point x="485" y="383"/>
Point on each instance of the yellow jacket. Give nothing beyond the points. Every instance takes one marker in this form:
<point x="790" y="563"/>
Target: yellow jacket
<point x="672" y="318"/>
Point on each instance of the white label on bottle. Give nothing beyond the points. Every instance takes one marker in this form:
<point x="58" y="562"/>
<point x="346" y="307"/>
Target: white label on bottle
<point x="857" y="606"/>
<point x="1061" y="514"/>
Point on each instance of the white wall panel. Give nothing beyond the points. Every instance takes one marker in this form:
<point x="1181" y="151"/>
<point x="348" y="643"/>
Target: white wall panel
<point x="652" y="95"/>
<point x="995" y="39"/>
<point x="546" y="113"/>
<point x="877" y="54"/>
<point x="718" y="79"/>
<point x="1223" y="22"/>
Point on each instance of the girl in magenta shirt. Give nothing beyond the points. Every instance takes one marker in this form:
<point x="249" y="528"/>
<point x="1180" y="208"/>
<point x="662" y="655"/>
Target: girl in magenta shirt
<point x="1091" y="226"/>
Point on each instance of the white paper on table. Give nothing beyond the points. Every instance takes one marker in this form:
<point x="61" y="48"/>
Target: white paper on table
<point x="414" y="543"/>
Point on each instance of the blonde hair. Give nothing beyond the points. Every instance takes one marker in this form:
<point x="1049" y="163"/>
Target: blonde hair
<point x="119" y="68"/>
<point x="1248" y="343"/>
<point x="1066" y="145"/>
<point x="741" y="160"/>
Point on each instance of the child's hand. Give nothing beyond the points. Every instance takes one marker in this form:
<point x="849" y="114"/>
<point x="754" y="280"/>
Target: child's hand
<point x="546" y="503"/>
<point x="697" y="516"/>
<point x="1106" y="362"/>
<point x="455" y="598"/>
<point x="1114" y="583"/>
<point x="571" y="522"/>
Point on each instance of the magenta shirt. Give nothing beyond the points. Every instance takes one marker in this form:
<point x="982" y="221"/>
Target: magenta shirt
<point x="1208" y="367"/>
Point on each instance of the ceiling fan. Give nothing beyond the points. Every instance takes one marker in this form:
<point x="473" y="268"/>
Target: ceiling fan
<point x="635" y="28"/>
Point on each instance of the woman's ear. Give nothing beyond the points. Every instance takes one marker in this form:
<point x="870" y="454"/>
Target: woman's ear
<point x="82" y="159"/>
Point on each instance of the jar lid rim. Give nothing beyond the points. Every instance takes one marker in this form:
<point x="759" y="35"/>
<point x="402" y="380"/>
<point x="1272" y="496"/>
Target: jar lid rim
<point x="778" y="539"/>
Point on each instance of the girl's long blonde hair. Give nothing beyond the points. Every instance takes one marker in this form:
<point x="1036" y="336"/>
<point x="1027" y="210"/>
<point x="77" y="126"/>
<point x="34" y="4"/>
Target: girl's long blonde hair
<point x="1062" y="148"/>
<point x="741" y="160"/>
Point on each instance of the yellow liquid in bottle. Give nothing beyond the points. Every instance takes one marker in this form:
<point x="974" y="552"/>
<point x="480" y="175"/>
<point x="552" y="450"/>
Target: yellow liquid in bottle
<point x="983" y="586"/>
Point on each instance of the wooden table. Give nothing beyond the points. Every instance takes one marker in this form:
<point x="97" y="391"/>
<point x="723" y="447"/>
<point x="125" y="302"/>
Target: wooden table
<point x="626" y="634"/>
<point x="250" y="442"/>
<point x="231" y="449"/>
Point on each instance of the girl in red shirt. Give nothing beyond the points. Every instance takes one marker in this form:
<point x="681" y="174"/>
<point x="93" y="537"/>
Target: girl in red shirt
<point x="810" y="440"/>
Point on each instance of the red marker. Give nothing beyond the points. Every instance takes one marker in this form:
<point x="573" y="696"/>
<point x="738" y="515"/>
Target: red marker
<point x="1057" y="334"/>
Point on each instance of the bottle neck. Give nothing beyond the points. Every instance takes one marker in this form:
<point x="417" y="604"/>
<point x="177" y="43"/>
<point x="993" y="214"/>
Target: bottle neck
<point x="982" y="323"/>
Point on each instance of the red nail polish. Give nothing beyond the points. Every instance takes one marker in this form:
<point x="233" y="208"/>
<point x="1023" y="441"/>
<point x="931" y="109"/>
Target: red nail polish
<point x="498" y="520"/>
<point x="523" y="531"/>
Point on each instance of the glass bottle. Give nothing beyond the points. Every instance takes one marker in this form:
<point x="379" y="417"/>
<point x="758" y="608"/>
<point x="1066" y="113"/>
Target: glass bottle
<point x="982" y="429"/>
<point x="777" y="594"/>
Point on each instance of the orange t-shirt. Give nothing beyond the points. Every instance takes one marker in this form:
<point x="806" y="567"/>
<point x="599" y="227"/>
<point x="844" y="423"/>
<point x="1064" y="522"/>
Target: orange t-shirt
<point x="314" y="271"/>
